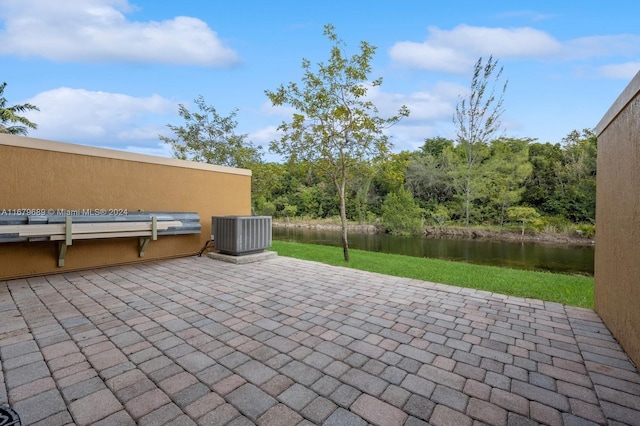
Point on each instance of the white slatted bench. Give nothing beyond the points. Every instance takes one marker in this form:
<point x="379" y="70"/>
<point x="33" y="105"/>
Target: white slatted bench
<point x="64" y="229"/>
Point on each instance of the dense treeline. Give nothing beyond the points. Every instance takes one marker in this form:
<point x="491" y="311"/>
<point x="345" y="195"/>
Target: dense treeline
<point x="514" y="182"/>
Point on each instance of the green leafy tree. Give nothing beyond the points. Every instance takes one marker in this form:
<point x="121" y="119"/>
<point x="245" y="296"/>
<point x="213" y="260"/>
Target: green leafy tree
<point x="311" y="200"/>
<point x="262" y="207"/>
<point x="361" y="187"/>
<point x="389" y="177"/>
<point x="10" y="120"/>
<point x="563" y="180"/>
<point x="435" y="146"/>
<point x="391" y="173"/>
<point x="542" y="185"/>
<point x="267" y="181"/>
<point x="400" y="213"/>
<point x="525" y="215"/>
<point x="440" y="215"/>
<point x="507" y="169"/>
<point x="577" y="175"/>
<point x="335" y="126"/>
<point x="477" y="120"/>
<point x="470" y="182"/>
<point x="289" y="211"/>
<point x="427" y="174"/>
<point x="208" y="137"/>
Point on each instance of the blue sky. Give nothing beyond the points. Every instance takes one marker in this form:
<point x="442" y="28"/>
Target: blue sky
<point x="111" y="73"/>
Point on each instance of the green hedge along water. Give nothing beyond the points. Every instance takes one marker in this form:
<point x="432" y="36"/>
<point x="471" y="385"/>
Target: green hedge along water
<point x="530" y="256"/>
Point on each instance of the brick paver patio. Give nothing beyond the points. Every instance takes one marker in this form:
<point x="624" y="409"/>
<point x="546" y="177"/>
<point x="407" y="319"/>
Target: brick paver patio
<point x="288" y="342"/>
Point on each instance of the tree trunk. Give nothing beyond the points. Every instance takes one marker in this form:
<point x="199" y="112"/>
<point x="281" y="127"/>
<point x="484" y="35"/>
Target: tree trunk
<point x="343" y="221"/>
<point x="468" y="198"/>
<point x="341" y="187"/>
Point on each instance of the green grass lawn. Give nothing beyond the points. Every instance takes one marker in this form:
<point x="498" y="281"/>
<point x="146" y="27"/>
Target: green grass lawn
<point x="566" y="289"/>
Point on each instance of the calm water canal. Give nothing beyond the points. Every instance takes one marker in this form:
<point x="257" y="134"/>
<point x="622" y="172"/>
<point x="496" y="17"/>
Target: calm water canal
<point x="540" y="257"/>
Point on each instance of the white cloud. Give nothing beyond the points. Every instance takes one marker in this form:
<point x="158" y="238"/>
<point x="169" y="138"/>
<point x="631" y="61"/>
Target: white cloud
<point x="431" y="112"/>
<point x="97" y="30"/>
<point x="263" y="136"/>
<point x="99" y="118"/>
<point x="285" y="111"/>
<point x="602" y="46"/>
<point x="147" y="132"/>
<point x="458" y="49"/>
<point x="405" y="137"/>
<point x="428" y="57"/>
<point x="426" y="105"/>
<point x="624" y="71"/>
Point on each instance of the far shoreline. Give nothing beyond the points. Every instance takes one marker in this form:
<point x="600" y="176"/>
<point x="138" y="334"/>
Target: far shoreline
<point x="455" y="233"/>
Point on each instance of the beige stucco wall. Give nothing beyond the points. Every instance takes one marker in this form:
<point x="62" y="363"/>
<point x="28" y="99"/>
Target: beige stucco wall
<point x="617" y="256"/>
<point x="39" y="174"/>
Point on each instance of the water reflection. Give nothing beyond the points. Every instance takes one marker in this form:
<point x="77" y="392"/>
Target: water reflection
<point x="543" y="257"/>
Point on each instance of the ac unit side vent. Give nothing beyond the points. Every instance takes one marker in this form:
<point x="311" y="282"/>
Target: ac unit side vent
<point x="241" y="235"/>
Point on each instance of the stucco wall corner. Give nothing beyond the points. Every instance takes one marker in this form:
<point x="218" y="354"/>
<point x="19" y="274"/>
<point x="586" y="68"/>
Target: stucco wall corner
<point x="616" y="268"/>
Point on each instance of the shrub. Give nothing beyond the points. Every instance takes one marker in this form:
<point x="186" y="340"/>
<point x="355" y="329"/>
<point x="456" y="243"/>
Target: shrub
<point x="268" y="209"/>
<point x="586" y="229"/>
<point x="527" y="216"/>
<point x="552" y="224"/>
<point x="400" y="213"/>
<point x="440" y="215"/>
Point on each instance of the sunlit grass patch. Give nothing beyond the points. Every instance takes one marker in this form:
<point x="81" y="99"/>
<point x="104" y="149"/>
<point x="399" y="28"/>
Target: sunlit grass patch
<point x="566" y="289"/>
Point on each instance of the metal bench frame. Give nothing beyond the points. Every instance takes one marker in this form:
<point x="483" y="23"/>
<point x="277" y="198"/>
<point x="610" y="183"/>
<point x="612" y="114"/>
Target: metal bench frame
<point x="145" y="228"/>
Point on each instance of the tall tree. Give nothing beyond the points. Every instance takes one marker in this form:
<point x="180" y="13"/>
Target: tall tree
<point x="541" y="187"/>
<point x="10" y="121"/>
<point x="427" y="173"/>
<point x="361" y="191"/>
<point x="267" y="180"/>
<point x="391" y="174"/>
<point x="435" y="146"/>
<point x="564" y="177"/>
<point x="335" y="125"/>
<point x="208" y="137"/>
<point x="508" y="168"/>
<point x="577" y="175"/>
<point x="477" y="120"/>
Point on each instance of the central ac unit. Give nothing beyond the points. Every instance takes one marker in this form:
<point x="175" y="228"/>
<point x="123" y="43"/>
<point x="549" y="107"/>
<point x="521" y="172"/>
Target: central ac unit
<point x="240" y="235"/>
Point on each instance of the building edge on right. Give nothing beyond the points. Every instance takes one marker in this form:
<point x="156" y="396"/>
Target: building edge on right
<point x="617" y="250"/>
